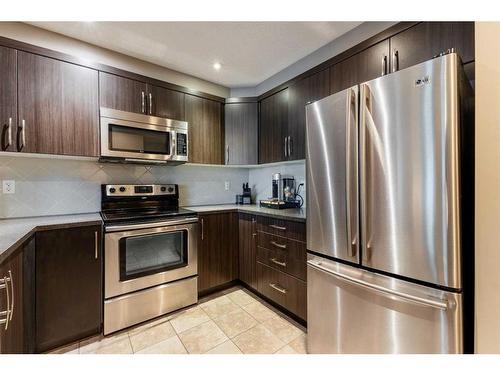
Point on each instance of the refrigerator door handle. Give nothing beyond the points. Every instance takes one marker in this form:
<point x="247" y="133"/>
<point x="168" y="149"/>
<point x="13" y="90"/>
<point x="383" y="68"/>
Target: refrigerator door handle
<point x="438" y="304"/>
<point x="351" y="170"/>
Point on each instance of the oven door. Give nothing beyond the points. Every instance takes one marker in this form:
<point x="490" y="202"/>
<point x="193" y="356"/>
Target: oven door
<point x="138" y="258"/>
<point x="135" y="140"/>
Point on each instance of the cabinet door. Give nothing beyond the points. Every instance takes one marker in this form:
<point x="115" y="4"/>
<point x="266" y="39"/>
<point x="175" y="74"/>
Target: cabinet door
<point x="364" y="66"/>
<point x="305" y="91"/>
<point x="428" y="39"/>
<point x="217" y="250"/>
<point x="273" y="127"/>
<point x="163" y="102"/>
<point x="122" y="93"/>
<point x="248" y="249"/>
<point x="205" y="130"/>
<point x="68" y="285"/>
<point x="8" y="99"/>
<point x="58" y="107"/>
<point x="241" y="129"/>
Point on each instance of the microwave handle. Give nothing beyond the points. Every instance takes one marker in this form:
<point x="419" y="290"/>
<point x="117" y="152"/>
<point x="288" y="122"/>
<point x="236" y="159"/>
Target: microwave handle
<point x="173" y="143"/>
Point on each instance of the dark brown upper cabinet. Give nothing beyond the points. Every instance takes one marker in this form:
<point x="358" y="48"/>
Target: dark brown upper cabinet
<point x="206" y="131"/>
<point x="68" y="285"/>
<point x="58" y="110"/>
<point x="122" y="93"/>
<point x="369" y="64"/>
<point x="163" y="102"/>
<point x="307" y="90"/>
<point x="273" y="128"/>
<point x="217" y="250"/>
<point x="428" y="39"/>
<point x="241" y="130"/>
<point x="8" y="99"/>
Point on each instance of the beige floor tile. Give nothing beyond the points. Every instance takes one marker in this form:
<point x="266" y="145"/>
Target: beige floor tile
<point x="151" y="336"/>
<point x="259" y="311"/>
<point x="240" y="298"/>
<point x="284" y="330"/>
<point x="258" y="340"/>
<point x="287" y="349"/>
<point x="219" y="306"/>
<point x="117" y="347"/>
<point x="202" y="338"/>
<point x="173" y="345"/>
<point x="189" y="319"/>
<point x="67" y="349"/>
<point x="235" y="322"/>
<point x="227" y="347"/>
<point x="94" y="343"/>
<point x="299" y="344"/>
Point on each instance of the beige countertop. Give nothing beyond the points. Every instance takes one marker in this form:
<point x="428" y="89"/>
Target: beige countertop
<point x="13" y="232"/>
<point x="295" y="214"/>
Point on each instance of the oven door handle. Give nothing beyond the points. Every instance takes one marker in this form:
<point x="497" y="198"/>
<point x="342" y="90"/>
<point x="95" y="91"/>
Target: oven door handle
<point x="120" y="228"/>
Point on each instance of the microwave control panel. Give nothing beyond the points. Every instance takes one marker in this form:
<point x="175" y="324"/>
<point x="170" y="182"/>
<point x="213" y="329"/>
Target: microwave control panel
<point x="181" y="144"/>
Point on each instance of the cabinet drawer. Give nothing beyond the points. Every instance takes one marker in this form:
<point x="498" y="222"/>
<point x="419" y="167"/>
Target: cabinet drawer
<point x="282" y="261"/>
<point x="294" y="249"/>
<point x="284" y="228"/>
<point x="286" y="290"/>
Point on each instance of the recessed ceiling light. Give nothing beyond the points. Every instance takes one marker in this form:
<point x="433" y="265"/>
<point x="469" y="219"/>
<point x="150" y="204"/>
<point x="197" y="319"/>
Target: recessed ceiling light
<point x="217" y="65"/>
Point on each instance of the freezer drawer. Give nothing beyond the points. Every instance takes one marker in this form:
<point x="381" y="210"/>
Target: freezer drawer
<point x="351" y="310"/>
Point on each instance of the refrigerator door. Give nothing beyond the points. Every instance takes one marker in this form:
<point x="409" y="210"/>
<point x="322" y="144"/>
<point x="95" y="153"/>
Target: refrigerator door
<point x="409" y="164"/>
<point x="332" y="175"/>
<point x="353" y="311"/>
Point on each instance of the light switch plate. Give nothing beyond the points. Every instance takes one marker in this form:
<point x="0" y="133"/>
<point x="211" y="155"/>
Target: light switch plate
<point x="9" y="186"/>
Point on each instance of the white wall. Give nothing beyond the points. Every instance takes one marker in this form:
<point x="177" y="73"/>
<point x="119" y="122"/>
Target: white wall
<point x="58" y="42"/>
<point x="487" y="181"/>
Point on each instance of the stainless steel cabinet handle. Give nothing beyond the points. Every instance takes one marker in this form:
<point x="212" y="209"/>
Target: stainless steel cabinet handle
<point x="9" y="133"/>
<point x="439" y="304"/>
<point x="227" y="154"/>
<point x="143" y="102"/>
<point x="254" y="234"/>
<point x="274" y="286"/>
<point x="11" y="295"/>
<point x="150" y="103"/>
<point x="285" y="147"/>
<point x="395" y="61"/>
<point x="274" y="260"/>
<point x="23" y="135"/>
<point x="289" y="146"/>
<point x="4" y="285"/>
<point x="96" y="245"/>
<point x="384" y="65"/>
<point x="277" y="227"/>
<point x="202" y="231"/>
<point x="278" y="245"/>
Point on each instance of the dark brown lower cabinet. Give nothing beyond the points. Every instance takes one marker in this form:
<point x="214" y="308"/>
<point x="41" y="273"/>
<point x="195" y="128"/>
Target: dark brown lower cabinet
<point x="68" y="285"/>
<point x="248" y="249"/>
<point x="217" y="250"/>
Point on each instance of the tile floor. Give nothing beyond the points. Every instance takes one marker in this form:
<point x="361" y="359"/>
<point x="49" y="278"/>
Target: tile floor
<point x="234" y="321"/>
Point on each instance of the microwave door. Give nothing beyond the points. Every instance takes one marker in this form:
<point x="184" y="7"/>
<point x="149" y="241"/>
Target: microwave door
<point x="332" y="176"/>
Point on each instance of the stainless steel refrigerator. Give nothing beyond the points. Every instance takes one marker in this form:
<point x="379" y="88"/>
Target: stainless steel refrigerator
<point x="385" y="165"/>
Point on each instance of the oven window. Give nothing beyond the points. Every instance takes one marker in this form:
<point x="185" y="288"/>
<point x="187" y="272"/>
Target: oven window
<point x="152" y="253"/>
<point x="124" y="138"/>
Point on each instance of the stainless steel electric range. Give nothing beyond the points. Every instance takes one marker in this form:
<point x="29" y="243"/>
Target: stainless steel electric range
<point x="150" y="253"/>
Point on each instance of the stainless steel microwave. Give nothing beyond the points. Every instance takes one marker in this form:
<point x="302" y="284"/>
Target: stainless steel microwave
<point x="135" y="138"/>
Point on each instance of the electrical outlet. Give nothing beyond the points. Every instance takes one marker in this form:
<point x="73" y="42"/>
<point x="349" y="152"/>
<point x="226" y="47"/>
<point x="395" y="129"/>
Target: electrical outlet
<point x="9" y="186"/>
<point x="227" y="185"/>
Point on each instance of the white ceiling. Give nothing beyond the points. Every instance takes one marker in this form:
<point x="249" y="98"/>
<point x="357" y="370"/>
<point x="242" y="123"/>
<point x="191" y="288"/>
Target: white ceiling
<point x="249" y="52"/>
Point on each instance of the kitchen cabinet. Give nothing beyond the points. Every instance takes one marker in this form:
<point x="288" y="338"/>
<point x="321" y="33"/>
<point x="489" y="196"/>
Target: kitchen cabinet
<point x="307" y="90"/>
<point x="206" y="131"/>
<point x="369" y="64"/>
<point x="68" y="285"/>
<point x="163" y="102"/>
<point x="273" y="127"/>
<point x="122" y="93"/>
<point x="217" y="250"/>
<point x="8" y="99"/>
<point x="248" y="249"/>
<point x="241" y="133"/>
<point x="58" y="110"/>
<point x="428" y="39"/>
<point x="15" y="295"/>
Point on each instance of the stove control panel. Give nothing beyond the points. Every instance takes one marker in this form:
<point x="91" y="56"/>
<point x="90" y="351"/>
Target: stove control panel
<point x="139" y="190"/>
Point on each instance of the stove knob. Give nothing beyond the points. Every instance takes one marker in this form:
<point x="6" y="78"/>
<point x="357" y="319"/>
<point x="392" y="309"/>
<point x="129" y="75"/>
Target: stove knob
<point x="170" y="189"/>
<point x="163" y="188"/>
<point x="122" y="189"/>
<point x="112" y="190"/>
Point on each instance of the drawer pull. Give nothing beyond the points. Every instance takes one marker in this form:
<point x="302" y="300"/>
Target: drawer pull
<point x="277" y="227"/>
<point x="278" y="245"/>
<point x="275" y="287"/>
<point x="282" y="264"/>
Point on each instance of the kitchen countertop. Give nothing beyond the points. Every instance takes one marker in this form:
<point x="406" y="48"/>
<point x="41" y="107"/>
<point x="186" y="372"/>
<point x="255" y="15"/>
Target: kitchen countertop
<point x="294" y="214"/>
<point x="13" y="232"/>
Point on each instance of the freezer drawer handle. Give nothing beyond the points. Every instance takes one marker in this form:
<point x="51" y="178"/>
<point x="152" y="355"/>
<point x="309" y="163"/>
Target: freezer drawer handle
<point x="275" y="287"/>
<point x="441" y="304"/>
